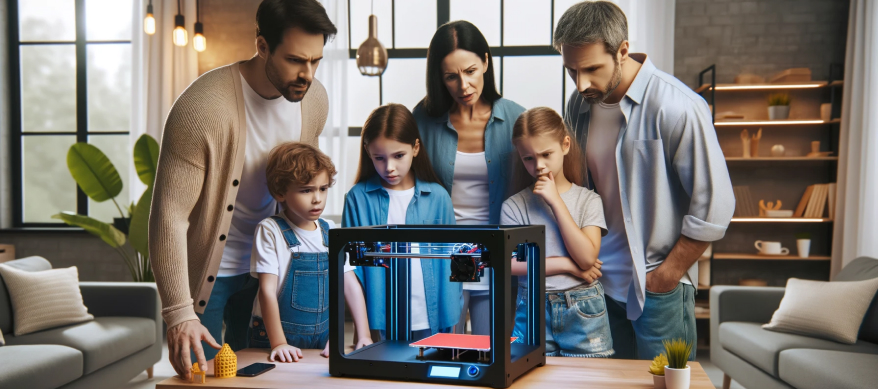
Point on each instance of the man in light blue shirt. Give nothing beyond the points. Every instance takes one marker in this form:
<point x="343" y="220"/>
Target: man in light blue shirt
<point x="653" y="156"/>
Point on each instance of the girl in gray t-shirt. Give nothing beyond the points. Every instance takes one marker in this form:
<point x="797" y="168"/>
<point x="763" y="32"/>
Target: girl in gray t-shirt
<point x="576" y="318"/>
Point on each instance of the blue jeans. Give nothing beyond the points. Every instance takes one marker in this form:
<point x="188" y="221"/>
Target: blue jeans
<point x="667" y="315"/>
<point x="576" y="322"/>
<point x="231" y="302"/>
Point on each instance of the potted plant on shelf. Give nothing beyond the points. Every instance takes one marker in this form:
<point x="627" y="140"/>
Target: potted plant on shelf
<point x="677" y="372"/>
<point x="657" y="369"/>
<point x="99" y="179"/>
<point x="778" y="106"/>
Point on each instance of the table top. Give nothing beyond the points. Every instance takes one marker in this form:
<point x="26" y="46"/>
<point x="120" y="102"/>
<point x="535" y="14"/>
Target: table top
<point x="313" y="372"/>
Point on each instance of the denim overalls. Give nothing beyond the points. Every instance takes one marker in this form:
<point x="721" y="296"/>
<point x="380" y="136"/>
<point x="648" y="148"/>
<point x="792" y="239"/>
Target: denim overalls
<point x="303" y="302"/>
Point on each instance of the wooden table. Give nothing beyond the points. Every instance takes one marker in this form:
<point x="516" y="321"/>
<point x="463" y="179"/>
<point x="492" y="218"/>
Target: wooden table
<point x="313" y="372"/>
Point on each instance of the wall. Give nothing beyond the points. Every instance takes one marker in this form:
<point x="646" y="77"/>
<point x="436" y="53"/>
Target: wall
<point x="760" y="37"/>
<point x="230" y="29"/>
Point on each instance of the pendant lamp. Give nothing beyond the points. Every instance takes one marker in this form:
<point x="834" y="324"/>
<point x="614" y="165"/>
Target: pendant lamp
<point x="372" y="56"/>
<point x="149" y="20"/>
<point x="181" y="37"/>
<point x="199" y="42"/>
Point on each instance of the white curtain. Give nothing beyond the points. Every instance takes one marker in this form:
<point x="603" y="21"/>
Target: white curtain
<point x="333" y="74"/>
<point x="160" y="71"/>
<point x="651" y="30"/>
<point x="857" y="206"/>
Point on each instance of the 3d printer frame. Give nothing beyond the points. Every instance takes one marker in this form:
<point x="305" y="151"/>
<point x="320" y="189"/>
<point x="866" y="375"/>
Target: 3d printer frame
<point x="395" y="357"/>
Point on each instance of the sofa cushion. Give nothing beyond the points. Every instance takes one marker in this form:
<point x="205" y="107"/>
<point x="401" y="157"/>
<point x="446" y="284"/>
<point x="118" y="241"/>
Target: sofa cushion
<point x="44" y="299"/>
<point x="760" y="347"/>
<point x="806" y="368"/>
<point x="864" y="268"/>
<point x="29" y="264"/>
<point x="39" y="366"/>
<point x="102" y="341"/>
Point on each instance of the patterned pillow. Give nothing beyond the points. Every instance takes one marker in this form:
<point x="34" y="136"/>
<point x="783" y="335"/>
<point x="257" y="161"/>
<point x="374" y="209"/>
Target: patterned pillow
<point x="829" y="310"/>
<point x="44" y="299"/>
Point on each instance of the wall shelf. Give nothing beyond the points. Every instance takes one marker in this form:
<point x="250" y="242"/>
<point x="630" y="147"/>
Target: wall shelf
<point x="773" y="123"/>
<point x="768" y="87"/>
<point x="780" y="220"/>
<point x="780" y="159"/>
<point x="740" y="256"/>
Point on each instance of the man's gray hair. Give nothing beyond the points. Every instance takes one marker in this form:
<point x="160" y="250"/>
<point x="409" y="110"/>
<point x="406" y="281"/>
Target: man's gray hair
<point x="592" y="22"/>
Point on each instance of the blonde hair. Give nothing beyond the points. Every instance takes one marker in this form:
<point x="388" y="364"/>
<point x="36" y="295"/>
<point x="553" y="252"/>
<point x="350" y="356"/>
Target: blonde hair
<point x="544" y="121"/>
<point x="295" y="163"/>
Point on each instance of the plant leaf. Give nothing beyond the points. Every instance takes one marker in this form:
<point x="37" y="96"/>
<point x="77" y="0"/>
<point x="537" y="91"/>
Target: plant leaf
<point x="146" y="158"/>
<point x="93" y="172"/>
<point x="109" y="234"/>
<point x="138" y="231"/>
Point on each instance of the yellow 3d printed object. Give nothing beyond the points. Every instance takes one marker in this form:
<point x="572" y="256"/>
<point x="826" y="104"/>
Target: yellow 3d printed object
<point x="226" y="363"/>
<point x="196" y="371"/>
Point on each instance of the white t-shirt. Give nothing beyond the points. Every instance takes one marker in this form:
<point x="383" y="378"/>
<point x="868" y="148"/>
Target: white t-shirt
<point x="271" y="254"/>
<point x="469" y="195"/>
<point x="269" y="123"/>
<point x="600" y="153"/>
<point x="396" y="211"/>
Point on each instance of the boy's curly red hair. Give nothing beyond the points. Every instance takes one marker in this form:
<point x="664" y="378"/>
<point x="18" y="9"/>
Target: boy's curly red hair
<point x="295" y="163"/>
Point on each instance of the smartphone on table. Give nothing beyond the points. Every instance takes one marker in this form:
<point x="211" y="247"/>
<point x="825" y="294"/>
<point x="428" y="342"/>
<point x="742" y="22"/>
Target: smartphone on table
<point x="255" y="369"/>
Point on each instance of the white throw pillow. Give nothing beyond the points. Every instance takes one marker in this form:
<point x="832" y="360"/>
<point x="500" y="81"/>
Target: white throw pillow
<point x="44" y="299"/>
<point x="829" y="310"/>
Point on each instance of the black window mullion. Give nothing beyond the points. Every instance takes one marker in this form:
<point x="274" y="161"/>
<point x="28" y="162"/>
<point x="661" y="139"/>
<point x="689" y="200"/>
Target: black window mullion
<point x="443" y="12"/>
<point x="15" y="141"/>
<point x="81" y="95"/>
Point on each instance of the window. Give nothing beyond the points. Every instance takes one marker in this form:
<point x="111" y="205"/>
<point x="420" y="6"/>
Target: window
<point x="526" y="67"/>
<point x="71" y="82"/>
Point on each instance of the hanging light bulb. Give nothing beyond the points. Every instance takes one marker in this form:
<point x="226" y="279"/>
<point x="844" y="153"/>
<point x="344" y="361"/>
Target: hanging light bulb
<point x="181" y="38"/>
<point x="199" y="42"/>
<point x="372" y="56"/>
<point x="149" y="20"/>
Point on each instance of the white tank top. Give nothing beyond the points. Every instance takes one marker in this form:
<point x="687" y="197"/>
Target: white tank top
<point x="469" y="196"/>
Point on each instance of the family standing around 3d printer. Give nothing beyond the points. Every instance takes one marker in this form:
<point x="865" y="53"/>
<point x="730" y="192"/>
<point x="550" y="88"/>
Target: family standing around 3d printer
<point x="631" y="185"/>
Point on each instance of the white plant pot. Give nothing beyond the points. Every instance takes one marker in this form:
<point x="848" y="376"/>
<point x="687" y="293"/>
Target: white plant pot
<point x="779" y="112"/>
<point x="658" y="381"/>
<point x="677" y="378"/>
<point x="804" y="246"/>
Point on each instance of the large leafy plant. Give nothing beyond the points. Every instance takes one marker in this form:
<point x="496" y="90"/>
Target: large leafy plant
<point x="99" y="179"/>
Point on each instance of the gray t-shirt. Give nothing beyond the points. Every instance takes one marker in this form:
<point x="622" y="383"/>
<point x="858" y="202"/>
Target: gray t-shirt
<point x="527" y="208"/>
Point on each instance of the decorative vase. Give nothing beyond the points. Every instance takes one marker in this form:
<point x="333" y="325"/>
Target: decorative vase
<point x="778" y="112"/>
<point x="777" y="151"/>
<point x="658" y="381"/>
<point x="677" y="378"/>
<point x="804" y="246"/>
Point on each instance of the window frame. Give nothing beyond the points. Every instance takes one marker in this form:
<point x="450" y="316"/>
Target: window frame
<point x="16" y="135"/>
<point x="443" y="15"/>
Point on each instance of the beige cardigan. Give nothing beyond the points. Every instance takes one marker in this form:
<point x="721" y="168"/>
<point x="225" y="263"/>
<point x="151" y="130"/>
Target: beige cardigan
<point x="196" y="184"/>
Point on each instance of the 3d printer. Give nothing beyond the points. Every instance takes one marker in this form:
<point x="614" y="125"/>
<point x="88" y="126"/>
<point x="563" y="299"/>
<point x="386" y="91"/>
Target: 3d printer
<point x="492" y="360"/>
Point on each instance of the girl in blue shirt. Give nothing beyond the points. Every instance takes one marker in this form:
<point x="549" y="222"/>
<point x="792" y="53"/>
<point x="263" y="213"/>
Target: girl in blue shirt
<point x="396" y="185"/>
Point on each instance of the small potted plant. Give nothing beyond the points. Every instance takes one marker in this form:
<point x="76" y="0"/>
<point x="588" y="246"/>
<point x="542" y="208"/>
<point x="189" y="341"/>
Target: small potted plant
<point x="803" y="243"/>
<point x="677" y="372"/>
<point x="657" y="369"/>
<point x="779" y="106"/>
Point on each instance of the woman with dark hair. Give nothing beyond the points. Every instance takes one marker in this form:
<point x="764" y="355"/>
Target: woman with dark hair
<point x="466" y="127"/>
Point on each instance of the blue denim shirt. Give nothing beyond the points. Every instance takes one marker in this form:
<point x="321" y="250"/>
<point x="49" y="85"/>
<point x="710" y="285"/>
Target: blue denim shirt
<point x="673" y="178"/>
<point x="440" y="141"/>
<point x="366" y="205"/>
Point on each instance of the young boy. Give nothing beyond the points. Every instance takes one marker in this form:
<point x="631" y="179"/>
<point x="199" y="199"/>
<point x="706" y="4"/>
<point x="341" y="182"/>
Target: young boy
<point x="290" y="259"/>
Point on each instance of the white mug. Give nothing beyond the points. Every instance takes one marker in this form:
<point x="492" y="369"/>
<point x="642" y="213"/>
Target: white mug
<point x="804" y="246"/>
<point x="773" y="248"/>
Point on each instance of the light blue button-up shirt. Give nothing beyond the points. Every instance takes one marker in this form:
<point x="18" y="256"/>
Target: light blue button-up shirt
<point x="440" y="141"/>
<point x="366" y="204"/>
<point x="673" y="178"/>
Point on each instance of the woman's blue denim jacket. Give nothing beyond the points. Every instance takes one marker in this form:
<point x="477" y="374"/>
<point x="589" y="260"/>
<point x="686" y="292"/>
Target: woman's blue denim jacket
<point x="440" y="141"/>
<point x="366" y="205"/>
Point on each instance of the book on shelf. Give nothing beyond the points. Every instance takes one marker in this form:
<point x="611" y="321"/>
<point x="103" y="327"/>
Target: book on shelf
<point x="819" y="199"/>
<point x="744" y="205"/>
<point x="800" y="210"/>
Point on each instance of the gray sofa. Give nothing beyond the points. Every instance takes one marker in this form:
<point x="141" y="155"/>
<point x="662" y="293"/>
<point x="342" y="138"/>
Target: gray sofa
<point x="759" y="358"/>
<point x="123" y="340"/>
